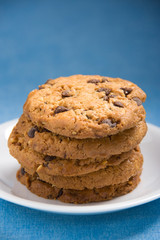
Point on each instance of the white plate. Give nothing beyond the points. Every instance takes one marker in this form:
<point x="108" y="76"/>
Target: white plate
<point x="148" y="189"/>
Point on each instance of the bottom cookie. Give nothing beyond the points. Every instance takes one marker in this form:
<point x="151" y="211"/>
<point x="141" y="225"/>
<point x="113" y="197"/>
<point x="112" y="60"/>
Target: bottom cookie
<point x="48" y="191"/>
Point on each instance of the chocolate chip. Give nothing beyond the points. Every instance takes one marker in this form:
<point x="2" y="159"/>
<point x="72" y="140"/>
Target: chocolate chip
<point x="106" y="98"/>
<point x="48" y="81"/>
<point x="100" y="89"/>
<point x="127" y="90"/>
<point x="60" y="193"/>
<point x="118" y="104"/>
<point x="48" y="158"/>
<point x="23" y="171"/>
<point x="137" y="100"/>
<point x="104" y="79"/>
<point x="95" y="81"/>
<point x="106" y="90"/>
<point x="32" y="131"/>
<point x="66" y="93"/>
<point x="41" y="87"/>
<point x="110" y="122"/>
<point x="60" y="109"/>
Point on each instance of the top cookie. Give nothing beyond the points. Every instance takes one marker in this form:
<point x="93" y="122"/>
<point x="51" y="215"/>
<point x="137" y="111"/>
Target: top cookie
<point x="85" y="106"/>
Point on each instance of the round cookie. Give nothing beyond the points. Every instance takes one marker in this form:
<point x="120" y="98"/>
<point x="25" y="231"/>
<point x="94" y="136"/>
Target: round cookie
<point x="52" y="165"/>
<point x="104" y="177"/>
<point x="84" y="106"/>
<point x="48" y="143"/>
<point x="48" y="191"/>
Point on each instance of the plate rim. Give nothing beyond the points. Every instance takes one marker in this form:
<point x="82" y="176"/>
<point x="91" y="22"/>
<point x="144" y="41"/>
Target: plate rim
<point x="78" y="209"/>
<point x="43" y="206"/>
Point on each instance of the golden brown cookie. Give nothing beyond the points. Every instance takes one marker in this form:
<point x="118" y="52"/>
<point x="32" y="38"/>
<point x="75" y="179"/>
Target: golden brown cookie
<point x="84" y="106"/>
<point x="109" y="176"/>
<point x="48" y="191"/>
<point x="47" y="143"/>
<point x="51" y="165"/>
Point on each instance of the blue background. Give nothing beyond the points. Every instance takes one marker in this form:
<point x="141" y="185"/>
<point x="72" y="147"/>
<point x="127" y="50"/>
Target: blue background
<point x="48" y="39"/>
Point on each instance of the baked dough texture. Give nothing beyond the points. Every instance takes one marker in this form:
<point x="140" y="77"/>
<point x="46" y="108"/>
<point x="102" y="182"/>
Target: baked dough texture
<point x="78" y="138"/>
<point x="95" y="106"/>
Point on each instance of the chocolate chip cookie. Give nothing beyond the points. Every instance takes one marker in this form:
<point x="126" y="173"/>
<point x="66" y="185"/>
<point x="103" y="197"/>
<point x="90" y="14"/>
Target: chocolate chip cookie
<point x="48" y="143"/>
<point x="109" y="176"/>
<point x="48" y="191"/>
<point x="84" y="106"/>
<point x="77" y="139"/>
<point x="33" y="161"/>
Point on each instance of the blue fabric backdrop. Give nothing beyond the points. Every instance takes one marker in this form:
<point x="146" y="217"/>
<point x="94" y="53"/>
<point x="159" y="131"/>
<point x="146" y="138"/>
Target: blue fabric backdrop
<point x="47" y="39"/>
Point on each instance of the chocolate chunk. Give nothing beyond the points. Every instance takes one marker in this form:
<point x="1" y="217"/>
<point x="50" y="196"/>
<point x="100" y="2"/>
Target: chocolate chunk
<point x="106" y="98"/>
<point x="104" y="79"/>
<point x="60" y="109"/>
<point x="118" y="104"/>
<point x="137" y="100"/>
<point x="48" y="158"/>
<point x="32" y="131"/>
<point x="127" y="90"/>
<point x="110" y="122"/>
<point x="66" y="93"/>
<point x="23" y="171"/>
<point x="106" y="90"/>
<point x="60" y="193"/>
<point x="95" y="81"/>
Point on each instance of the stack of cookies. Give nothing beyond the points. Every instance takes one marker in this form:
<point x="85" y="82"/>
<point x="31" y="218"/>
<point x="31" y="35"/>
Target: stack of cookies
<point x="77" y="139"/>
